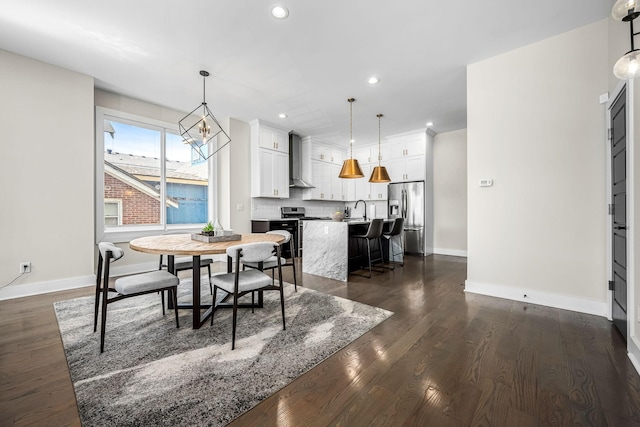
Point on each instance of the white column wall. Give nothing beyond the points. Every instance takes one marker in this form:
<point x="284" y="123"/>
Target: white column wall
<point x="535" y="126"/>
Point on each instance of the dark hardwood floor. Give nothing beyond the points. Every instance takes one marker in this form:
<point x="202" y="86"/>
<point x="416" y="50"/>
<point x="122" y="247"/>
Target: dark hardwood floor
<point x="445" y="358"/>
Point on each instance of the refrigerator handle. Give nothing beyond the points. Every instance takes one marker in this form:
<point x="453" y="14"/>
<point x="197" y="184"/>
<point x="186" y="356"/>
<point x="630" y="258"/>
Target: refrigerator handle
<point x="404" y="203"/>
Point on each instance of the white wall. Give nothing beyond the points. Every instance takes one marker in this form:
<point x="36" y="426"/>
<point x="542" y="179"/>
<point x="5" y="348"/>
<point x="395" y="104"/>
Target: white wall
<point x="46" y="171"/>
<point x="450" y="193"/>
<point x="536" y="128"/>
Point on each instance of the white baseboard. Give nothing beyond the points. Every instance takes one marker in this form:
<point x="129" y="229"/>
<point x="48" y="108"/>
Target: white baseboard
<point x="633" y="348"/>
<point x="564" y="302"/>
<point x="30" y="289"/>
<point x="452" y="252"/>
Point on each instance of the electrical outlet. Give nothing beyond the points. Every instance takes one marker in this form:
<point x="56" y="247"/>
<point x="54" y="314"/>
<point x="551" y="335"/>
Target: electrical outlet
<point x="25" y="267"/>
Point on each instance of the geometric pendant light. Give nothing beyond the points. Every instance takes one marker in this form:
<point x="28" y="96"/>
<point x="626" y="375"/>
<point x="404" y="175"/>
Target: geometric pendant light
<point x="350" y="167"/>
<point x="200" y="132"/>
<point x="379" y="173"/>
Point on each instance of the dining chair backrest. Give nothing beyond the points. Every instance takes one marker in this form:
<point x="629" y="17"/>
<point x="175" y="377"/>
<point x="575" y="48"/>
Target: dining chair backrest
<point x="285" y="233"/>
<point x="252" y="252"/>
<point x="375" y="229"/>
<point x="116" y="252"/>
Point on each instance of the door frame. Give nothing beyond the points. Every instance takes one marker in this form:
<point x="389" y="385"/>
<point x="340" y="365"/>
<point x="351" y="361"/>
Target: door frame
<point x="631" y="305"/>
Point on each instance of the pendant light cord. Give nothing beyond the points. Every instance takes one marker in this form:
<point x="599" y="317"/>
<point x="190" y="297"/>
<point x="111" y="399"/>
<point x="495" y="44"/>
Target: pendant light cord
<point x="379" y="117"/>
<point x="351" y="127"/>
<point x="204" y="90"/>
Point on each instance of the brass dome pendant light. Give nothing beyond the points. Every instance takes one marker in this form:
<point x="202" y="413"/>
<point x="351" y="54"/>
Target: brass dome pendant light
<point x="350" y="167"/>
<point x="379" y="173"/>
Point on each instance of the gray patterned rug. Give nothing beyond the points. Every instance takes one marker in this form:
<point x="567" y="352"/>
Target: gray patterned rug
<point x="154" y="374"/>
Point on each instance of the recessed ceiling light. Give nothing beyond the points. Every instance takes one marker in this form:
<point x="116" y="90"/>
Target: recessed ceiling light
<point x="429" y="124"/>
<point x="279" y="12"/>
<point x="282" y="115"/>
<point x="373" y="80"/>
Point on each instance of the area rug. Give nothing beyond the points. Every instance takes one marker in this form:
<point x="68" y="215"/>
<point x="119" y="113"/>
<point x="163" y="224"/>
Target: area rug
<point x="154" y="374"/>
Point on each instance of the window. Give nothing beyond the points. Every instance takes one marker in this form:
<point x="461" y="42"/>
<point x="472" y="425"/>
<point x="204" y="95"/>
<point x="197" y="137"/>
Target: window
<point x="147" y="178"/>
<point x="112" y="212"/>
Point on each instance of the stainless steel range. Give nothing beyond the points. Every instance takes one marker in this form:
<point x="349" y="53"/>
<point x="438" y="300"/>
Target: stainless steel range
<point x="299" y="213"/>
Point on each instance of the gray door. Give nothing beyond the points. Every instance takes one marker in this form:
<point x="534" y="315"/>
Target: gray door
<point x="619" y="202"/>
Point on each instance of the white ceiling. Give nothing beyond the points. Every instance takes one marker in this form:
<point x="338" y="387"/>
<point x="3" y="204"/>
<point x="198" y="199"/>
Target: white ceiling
<point x="305" y="66"/>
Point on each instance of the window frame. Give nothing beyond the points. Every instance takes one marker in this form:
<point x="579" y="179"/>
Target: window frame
<point x="124" y="233"/>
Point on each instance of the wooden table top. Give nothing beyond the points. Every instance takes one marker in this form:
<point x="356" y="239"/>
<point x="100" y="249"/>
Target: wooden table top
<point x="181" y="244"/>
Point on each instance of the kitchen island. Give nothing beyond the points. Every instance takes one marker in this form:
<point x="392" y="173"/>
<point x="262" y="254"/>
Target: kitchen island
<point x="330" y="252"/>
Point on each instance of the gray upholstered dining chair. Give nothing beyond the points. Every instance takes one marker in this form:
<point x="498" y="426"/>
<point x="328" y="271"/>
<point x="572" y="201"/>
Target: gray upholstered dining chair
<point x="272" y="263"/>
<point x="241" y="282"/>
<point x="128" y="286"/>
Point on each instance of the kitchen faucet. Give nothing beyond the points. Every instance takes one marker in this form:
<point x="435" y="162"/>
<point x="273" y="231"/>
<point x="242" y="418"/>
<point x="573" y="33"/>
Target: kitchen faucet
<point x="365" y="208"/>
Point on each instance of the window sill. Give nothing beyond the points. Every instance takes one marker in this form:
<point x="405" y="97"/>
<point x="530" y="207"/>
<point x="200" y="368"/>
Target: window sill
<point x="125" y="236"/>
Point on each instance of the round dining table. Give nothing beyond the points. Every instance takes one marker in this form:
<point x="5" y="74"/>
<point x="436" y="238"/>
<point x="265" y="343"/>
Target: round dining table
<point x="182" y="244"/>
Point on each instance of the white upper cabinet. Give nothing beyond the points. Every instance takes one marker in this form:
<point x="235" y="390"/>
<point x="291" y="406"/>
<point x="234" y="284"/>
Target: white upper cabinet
<point x="269" y="160"/>
<point x="407" y="168"/>
<point x="407" y="145"/>
<point x="326" y="153"/>
<point x="362" y="154"/>
<point x="321" y="168"/>
<point x="273" y="138"/>
<point x="407" y="159"/>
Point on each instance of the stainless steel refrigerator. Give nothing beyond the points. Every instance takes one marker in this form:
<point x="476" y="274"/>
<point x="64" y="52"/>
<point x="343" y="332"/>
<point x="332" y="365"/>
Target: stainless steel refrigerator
<point x="407" y="200"/>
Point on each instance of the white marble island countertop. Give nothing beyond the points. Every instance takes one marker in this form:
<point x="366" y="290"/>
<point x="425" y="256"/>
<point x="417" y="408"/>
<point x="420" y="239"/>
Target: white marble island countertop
<point x="326" y="246"/>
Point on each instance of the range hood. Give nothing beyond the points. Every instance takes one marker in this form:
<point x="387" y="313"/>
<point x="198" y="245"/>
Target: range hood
<point x="295" y="163"/>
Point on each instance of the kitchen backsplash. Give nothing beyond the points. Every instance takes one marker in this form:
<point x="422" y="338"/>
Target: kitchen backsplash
<point x="267" y="208"/>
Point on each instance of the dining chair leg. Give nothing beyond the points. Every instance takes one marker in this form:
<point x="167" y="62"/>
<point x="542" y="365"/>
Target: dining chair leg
<point x="162" y="299"/>
<point x="284" y="326"/>
<point x="103" y="320"/>
<point x="253" y="301"/>
<point x="295" y="280"/>
<point x="98" y="289"/>
<point x="213" y="309"/>
<point x="235" y="316"/>
<point x="174" y="294"/>
<point x="210" y="285"/>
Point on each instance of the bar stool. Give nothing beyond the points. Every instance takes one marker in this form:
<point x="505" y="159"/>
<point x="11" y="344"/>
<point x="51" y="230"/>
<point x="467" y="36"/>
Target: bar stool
<point x="396" y="230"/>
<point x="374" y="232"/>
